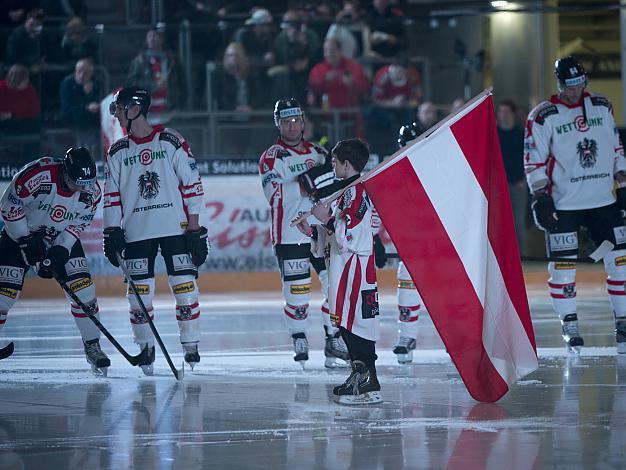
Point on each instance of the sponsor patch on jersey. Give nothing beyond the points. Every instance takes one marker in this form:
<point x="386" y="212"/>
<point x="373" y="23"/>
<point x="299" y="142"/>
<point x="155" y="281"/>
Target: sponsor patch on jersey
<point x="182" y="263"/>
<point x="11" y="274"/>
<point x="119" y="145"/>
<point x="86" y="198"/>
<point x="268" y="178"/>
<point x="76" y="265"/>
<point x="405" y="284"/>
<point x="80" y="284"/>
<point x="36" y="181"/>
<point x="369" y="303"/>
<point x="601" y="101"/>
<point x="13" y="214"/>
<point x="137" y="266"/>
<point x="8" y="292"/>
<point x="620" y="261"/>
<point x="300" y="289"/>
<point x="563" y="241"/>
<point x="565" y="265"/>
<point x="45" y="188"/>
<point x="142" y="289"/>
<point x="296" y="267"/>
<point x="183" y="288"/>
<point x="620" y="235"/>
<point x="172" y="139"/>
<point x="544" y="113"/>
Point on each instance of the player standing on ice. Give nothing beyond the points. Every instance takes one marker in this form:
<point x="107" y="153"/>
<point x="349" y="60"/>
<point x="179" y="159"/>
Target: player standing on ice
<point x="346" y="239"/>
<point x="45" y="209"/>
<point x="279" y="167"/>
<point x="152" y="200"/>
<point x="573" y="158"/>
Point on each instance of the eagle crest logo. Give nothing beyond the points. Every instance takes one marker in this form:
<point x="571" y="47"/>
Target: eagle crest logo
<point x="149" y="185"/>
<point x="587" y="150"/>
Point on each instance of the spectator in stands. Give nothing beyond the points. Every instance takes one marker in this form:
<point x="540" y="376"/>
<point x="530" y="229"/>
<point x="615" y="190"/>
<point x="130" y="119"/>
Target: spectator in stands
<point x="80" y="105"/>
<point x="348" y="29"/>
<point x="12" y="14"/>
<point x="387" y="35"/>
<point x="23" y="46"/>
<point x="77" y="43"/>
<point x="297" y="49"/>
<point x="256" y="38"/>
<point x="234" y="84"/>
<point x="20" y="112"/>
<point x="338" y="82"/>
<point x="427" y="114"/>
<point x="511" y="137"/>
<point x="457" y="104"/>
<point x="396" y="92"/>
<point x="158" y="70"/>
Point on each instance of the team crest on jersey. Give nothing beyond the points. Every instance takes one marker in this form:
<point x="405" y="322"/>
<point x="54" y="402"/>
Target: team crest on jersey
<point x="149" y="184"/>
<point x="587" y="150"/>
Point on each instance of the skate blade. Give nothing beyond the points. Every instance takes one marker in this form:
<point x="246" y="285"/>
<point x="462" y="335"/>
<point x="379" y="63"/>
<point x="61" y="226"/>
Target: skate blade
<point x="574" y="350"/>
<point x="302" y="364"/>
<point x="405" y="358"/>
<point x="335" y="363"/>
<point x="147" y="370"/>
<point x="621" y="348"/>
<point x="191" y="365"/>
<point x="368" y="398"/>
<point x="99" y="371"/>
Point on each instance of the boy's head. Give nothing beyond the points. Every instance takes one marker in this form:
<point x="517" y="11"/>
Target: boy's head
<point x="354" y="151"/>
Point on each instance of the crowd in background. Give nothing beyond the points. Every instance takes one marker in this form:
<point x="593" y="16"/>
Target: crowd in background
<point x="349" y="54"/>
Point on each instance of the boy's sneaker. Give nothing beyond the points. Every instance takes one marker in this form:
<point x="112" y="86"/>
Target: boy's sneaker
<point x="192" y="357"/>
<point x="571" y="336"/>
<point x="96" y="358"/>
<point x="146" y="361"/>
<point x="404" y="349"/>
<point x="360" y="388"/>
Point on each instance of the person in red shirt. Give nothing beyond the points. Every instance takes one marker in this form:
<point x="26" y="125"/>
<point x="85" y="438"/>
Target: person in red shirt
<point x="338" y="82"/>
<point x="18" y="98"/>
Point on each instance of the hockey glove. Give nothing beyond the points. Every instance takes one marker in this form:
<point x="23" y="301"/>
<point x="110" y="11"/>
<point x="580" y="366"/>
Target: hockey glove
<point x="380" y="254"/>
<point x="544" y="212"/>
<point x="315" y="179"/>
<point x="197" y="245"/>
<point x="621" y="200"/>
<point x="33" y="248"/>
<point x="54" y="264"/>
<point x="114" y="243"/>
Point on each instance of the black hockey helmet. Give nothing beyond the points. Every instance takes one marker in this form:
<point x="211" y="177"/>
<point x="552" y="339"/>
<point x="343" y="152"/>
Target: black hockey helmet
<point x="286" y="108"/>
<point x="569" y="72"/>
<point x="408" y="132"/>
<point x="79" y="166"/>
<point x="130" y="96"/>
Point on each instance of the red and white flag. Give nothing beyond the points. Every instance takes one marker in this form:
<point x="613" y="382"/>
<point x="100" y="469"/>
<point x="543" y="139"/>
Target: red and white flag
<point x="445" y="203"/>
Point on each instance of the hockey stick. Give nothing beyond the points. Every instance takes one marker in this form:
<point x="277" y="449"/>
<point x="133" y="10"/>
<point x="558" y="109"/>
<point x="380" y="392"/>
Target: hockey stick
<point x="134" y="360"/>
<point x="7" y="350"/>
<point x="604" y="248"/>
<point x="178" y="373"/>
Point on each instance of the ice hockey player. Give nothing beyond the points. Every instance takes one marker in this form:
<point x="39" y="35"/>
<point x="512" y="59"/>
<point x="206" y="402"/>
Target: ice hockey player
<point x="279" y="168"/>
<point x="45" y="209"/>
<point x="346" y="237"/>
<point x="573" y="158"/>
<point x="152" y="201"/>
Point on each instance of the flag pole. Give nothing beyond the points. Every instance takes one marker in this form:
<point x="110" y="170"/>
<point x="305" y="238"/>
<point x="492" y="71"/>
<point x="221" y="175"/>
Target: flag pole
<point x="400" y="152"/>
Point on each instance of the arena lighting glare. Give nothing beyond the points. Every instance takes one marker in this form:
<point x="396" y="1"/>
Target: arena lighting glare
<point x="500" y="4"/>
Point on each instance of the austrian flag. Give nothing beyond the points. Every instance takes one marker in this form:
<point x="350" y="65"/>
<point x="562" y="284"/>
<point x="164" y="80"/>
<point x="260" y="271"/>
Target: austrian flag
<point x="444" y="202"/>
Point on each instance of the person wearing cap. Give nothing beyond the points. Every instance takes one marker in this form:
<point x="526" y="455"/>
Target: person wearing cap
<point x="257" y="39"/>
<point x="45" y="209"/>
<point x="153" y="196"/>
<point x="573" y="161"/>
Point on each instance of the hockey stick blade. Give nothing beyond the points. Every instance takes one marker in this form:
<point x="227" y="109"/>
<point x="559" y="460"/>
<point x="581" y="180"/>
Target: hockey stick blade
<point x="178" y="373"/>
<point x="7" y="350"/>
<point x="134" y="360"/>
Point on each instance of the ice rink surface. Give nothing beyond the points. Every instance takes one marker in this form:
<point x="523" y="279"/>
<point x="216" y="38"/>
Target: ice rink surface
<point x="248" y="405"/>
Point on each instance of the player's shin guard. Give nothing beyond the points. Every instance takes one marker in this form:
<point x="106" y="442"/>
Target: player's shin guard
<point x="409" y="307"/>
<point x="329" y="328"/>
<point x="296" y="310"/>
<point x="85" y="290"/>
<point x="615" y="265"/>
<point x="562" y="285"/>
<point x="141" y="328"/>
<point x="186" y="293"/>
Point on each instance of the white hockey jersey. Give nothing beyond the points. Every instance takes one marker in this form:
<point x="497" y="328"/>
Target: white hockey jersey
<point x="38" y="200"/>
<point x="577" y="158"/>
<point x="151" y="185"/>
<point x="279" y="168"/>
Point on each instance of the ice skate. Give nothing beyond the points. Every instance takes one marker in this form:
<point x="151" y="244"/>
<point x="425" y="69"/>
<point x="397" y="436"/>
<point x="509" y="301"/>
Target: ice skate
<point x="192" y="357"/>
<point x="301" y="348"/>
<point x="404" y="349"/>
<point x="572" y="338"/>
<point x="620" y="335"/>
<point x="360" y="388"/>
<point x="147" y="359"/>
<point x="96" y="358"/>
<point x="335" y="351"/>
